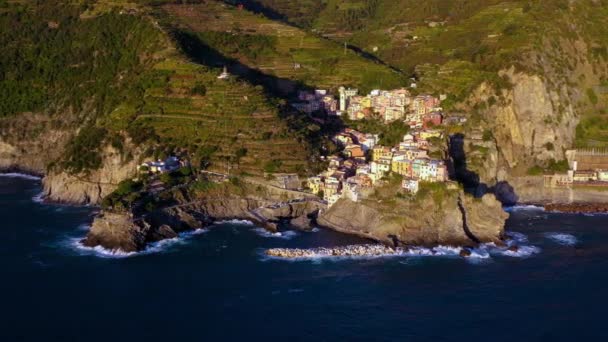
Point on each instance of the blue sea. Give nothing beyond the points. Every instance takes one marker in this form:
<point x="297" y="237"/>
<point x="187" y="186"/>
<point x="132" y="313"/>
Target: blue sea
<point x="216" y="285"/>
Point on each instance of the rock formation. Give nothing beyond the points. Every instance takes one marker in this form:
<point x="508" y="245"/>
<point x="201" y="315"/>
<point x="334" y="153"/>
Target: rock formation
<point x="457" y="220"/>
<point x="120" y="231"/>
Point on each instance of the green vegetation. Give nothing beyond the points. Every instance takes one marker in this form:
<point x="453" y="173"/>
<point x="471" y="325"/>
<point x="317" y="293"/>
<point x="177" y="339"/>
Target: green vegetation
<point x="125" y="195"/>
<point x="278" y="50"/>
<point x="551" y="167"/>
<point x="83" y="151"/>
<point x="592" y="130"/>
<point x="117" y="74"/>
<point x="49" y="59"/>
<point x="254" y="47"/>
<point x="438" y="191"/>
<point x="390" y="134"/>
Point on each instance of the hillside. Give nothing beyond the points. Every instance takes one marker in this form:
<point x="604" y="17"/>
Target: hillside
<point x="256" y="47"/>
<point x="533" y="74"/>
<point x="88" y="92"/>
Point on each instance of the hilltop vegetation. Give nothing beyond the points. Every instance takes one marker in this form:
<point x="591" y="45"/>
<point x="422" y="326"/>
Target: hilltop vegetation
<point x="288" y="54"/>
<point x="106" y="72"/>
<point x="144" y="73"/>
<point x="453" y="46"/>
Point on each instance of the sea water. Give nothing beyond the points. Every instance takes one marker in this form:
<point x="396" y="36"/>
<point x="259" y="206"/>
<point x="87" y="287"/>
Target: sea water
<point x="216" y="284"/>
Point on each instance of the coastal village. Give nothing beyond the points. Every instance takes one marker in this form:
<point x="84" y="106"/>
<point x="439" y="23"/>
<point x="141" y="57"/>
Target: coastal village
<point x="363" y="162"/>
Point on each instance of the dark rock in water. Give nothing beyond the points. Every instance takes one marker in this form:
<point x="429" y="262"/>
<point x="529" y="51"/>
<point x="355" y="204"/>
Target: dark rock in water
<point x="163" y="232"/>
<point x="301" y="222"/>
<point x="500" y="243"/>
<point x="465" y="252"/>
<point x="513" y="248"/>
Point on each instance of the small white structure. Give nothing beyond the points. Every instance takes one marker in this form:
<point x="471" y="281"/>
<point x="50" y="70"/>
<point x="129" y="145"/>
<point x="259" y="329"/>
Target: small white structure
<point x="224" y="75"/>
<point x="160" y="166"/>
<point x="410" y="185"/>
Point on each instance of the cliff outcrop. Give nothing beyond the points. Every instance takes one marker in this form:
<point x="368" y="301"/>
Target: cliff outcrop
<point x="122" y="231"/>
<point x="93" y="186"/>
<point x="457" y="219"/>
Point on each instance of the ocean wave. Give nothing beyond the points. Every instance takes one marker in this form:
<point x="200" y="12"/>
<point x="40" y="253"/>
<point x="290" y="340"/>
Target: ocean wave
<point x="524" y="208"/>
<point x="286" y="235"/>
<point x="521" y="252"/>
<point x="315" y="229"/>
<point x="38" y="198"/>
<point x="75" y="243"/>
<point x="84" y="227"/>
<point x="562" y="238"/>
<point x="20" y="175"/>
<point x="516" y="237"/>
<point x="235" y="221"/>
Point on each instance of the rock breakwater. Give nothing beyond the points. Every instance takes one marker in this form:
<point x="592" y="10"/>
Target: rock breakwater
<point x="577" y="208"/>
<point x="343" y="251"/>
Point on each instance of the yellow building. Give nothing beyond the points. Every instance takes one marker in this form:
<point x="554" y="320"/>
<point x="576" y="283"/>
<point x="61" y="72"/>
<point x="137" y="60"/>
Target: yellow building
<point x="426" y="134"/>
<point x="381" y="152"/>
<point x="315" y="185"/>
<point x="402" y="167"/>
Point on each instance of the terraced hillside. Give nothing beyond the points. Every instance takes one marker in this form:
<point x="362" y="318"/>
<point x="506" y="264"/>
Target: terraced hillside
<point x="532" y="74"/>
<point x="106" y="74"/>
<point x="273" y="48"/>
<point x="227" y="122"/>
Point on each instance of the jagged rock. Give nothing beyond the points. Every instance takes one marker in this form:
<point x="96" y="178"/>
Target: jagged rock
<point x="163" y="232"/>
<point x="465" y="252"/>
<point x="301" y="222"/>
<point x="513" y="249"/>
<point x="457" y="220"/>
<point x="117" y="231"/>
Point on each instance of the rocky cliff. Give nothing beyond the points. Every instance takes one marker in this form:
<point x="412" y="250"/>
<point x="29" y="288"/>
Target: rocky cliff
<point x="30" y="142"/>
<point x="456" y="220"/>
<point x="113" y="230"/>
<point x="533" y="121"/>
<point x="93" y="186"/>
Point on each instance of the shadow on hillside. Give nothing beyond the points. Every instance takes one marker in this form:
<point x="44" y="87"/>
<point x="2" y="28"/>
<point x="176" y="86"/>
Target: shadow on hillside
<point x="470" y="180"/>
<point x="460" y="171"/>
<point x="273" y="87"/>
<point x="257" y="7"/>
<point x="202" y="53"/>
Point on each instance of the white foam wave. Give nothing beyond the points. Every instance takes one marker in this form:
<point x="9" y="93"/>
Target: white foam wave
<point x="522" y="251"/>
<point x="524" y="208"/>
<point x="516" y="237"/>
<point x="20" y="175"/>
<point x="562" y="238"/>
<point x="315" y="229"/>
<point x="235" y="221"/>
<point x="84" y="227"/>
<point x="152" y="248"/>
<point x="38" y="198"/>
<point x="76" y="244"/>
<point x="286" y="235"/>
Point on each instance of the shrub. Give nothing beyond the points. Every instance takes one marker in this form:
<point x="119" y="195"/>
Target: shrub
<point x="592" y="96"/>
<point x="82" y="152"/>
<point x="535" y="171"/>
<point x="199" y="89"/>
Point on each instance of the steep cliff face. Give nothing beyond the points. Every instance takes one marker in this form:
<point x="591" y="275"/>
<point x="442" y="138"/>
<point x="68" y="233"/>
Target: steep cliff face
<point x="457" y="220"/>
<point x="529" y="125"/>
<point x="31" y="141"/>
<point x="92" y="187"/>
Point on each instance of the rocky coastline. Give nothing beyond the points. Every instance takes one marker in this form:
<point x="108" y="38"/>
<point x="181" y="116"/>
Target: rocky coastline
<point x="577" y="208"/>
